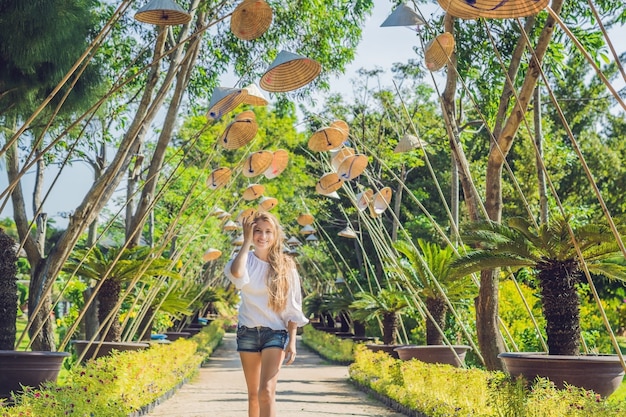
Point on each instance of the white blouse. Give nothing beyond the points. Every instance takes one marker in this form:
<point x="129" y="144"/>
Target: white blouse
<point x="254" y="309"/>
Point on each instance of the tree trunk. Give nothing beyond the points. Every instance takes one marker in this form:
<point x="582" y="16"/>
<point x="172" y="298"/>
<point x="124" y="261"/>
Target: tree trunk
<point x="390" y="328"/>
<point x="8" y="292"/>
<point x="108" y="297"/>
<point x="437" y="308"/>
<point x="541" y="178"/>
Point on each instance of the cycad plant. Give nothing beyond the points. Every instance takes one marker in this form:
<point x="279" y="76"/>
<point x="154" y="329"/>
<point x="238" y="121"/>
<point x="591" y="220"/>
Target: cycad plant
<point x="386" y="305"/>
<point x="431" y="273"/>
<point x="549" y="252"/>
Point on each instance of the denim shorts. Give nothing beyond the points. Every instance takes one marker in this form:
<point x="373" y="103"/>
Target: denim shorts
<point x="255" y="339"/>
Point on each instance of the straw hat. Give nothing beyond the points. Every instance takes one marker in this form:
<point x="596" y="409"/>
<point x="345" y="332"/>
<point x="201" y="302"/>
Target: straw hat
<point x="439" y="51"/>
<point x="267" y="203"/>
<point x="364" y="198"/>
<point x="403" y="15"/>
<point x="328" y="183"/>
<point x="237" y="241"/>
<point x="253" y="192"/>
<point x="211" y="254"/>
<point x="380" y="202"/>
<point x="224" y="215"/>
<point x="278" y="165"/>
<point x="325" y="139"/>
<point x="289" y="72"/>
<point x="224" y="100"/>
<point x="245" y="213"/>
<point x="229" y="226"/>
<point x="352" y="167"/>
<point x="254" y="96"/>
<point x="496" y="9"/>
<point x="216" y="211"/>
<point x="304" y="219"/>
<point x="293" y="241"/>
<point x="162" y="13"/>
<point x="240" y="131"/>
<point x="251" y="19"/>
<point x="257" y="163"/>
<point x="408" y="143"/>
<point x="218" y="178"/>
<point x="334" y="195"/>
<point x="339" y="156"/>
<point x="307" y="230"/>
<point x="343" y="126"/>
<point x="347" y="232"/>
<point x="311" y="238"/>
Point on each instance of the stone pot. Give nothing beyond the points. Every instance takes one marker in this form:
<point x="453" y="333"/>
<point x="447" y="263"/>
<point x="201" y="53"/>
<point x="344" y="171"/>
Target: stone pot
<point x="601" y="373"/>
<point x="435" y="353"/>
<point x="27" y="368"/>
<point x="99" y="349"/>
<point x="389" y="349"/>
<point x="177" y="335"/>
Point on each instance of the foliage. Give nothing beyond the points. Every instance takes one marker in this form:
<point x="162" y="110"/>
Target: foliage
<point x="329" y="346"/>
<point x="385" y="306"/>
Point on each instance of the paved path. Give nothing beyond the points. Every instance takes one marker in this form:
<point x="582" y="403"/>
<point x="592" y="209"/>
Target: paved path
<point x="309" y="387"/>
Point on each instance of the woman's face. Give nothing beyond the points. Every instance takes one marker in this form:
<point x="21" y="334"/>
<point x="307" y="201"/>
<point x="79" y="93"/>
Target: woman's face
<point x="263" y="234"/>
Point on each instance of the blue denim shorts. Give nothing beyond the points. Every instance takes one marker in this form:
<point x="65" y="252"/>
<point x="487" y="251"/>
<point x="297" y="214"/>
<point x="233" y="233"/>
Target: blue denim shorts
<point x="255" y="339"/>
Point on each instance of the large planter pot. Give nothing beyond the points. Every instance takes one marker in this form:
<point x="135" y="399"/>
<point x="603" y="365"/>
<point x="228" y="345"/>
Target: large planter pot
<point x="435" y="354"/>
<point x="99" y="349"/>
<point x="177" y="335"/>
<point x="601" y="373"/>
<point x="27" y="368"/>
<point x="388" y="349"/>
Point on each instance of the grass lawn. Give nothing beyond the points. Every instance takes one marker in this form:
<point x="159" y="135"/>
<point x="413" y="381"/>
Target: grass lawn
<point x="21" y="325"/>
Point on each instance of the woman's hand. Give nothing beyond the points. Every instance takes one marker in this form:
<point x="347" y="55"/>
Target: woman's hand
<point x="247" y="225"/>
<point x="290" y="353"/>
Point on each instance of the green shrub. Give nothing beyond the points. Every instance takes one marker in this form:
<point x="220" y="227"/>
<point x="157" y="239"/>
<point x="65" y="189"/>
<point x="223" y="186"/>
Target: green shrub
<point x="329" y="346"/>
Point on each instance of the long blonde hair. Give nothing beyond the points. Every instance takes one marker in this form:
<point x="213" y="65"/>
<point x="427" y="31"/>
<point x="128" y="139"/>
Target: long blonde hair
<point x="278" y="277"/>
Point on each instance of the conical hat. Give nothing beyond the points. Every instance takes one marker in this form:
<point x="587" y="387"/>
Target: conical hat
<point x="224" y="215"/>
<point x="403" y="15"/>
<point x="340" y="155"/>
<point x="211" y="254"/>
<point x="267" y="203"/>
<point x="257" y="163"/>
<point x="218" y="178"/>
<point x="278" y="165"/>
<point x="343" y="126"/>
<point x="496" y="9"/>
<point x="229" y="226"/>
<point x="237" y="241"/>
<point x="224" y="100"/>
<point x="289" y="72"/>
<point x="293" y="241"/>
<point x="304" y="219"/>
<point x="380" y="201"/>
<point x="251" y="19"/>
<point x="162" y="13"/>
<point x="364" y="198"/>
<point x="325" y="139"/>
<point x="352" y="167"/>
<point x="245" y="213"/>
<point x="408" y="143"/>
<point x="216" y="211"/>
<point x="307" y="230"/>
<point x="311" y="238"/>
<point x="254" y="96"/>
<point x="245" y="115"/>
<point x="439" y="51"/>
<point x="334" y="195"/>
<point x="239" y="132"/>
<point x="253" y="192"/>
<point x="328" y="183"/>
<point x="347" y="232"/>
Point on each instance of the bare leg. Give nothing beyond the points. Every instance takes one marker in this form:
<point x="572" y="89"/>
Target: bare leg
<point x="271" y="360"/>
<point x="251" y="363"/>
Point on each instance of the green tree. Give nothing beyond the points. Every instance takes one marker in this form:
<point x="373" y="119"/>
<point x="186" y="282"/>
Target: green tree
<point x="386" y="306"/>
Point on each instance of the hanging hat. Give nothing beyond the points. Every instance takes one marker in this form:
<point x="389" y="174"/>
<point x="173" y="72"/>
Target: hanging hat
<point x="328" y="183"/>
<point x="251" y="19"/>
<point x="280" y="159"/>
<point x="325" y="139"/>
<point x="293" y="241"/>
<point x="289" y="72"/>
<point x="495" y="9"/>
<point x="253" y="192"/>
<point x="347" y="232"/>
<point x="162" y="13"/>
<point x="224" y="215"/>
<point x="307" y="230"/>
<point x="408" y="143"/>
<point x="439" y="51"/>
<point x="380" y="202"/>
<point x="257" y="163"/>
<point x="224" y="100"/>
<point x="237" y="241"/>
<point x="304" y="219"/>
<point x="364" y="198"/>
<point x="339" y="155"/>
<point x="343" y="126"/>
<point x="211" y="254"/>
<point x="334" y="195"/>
<point x="218" y="178"/>
<point x="240" y="131"/>
<point x="267" y="203"/>
<point x="245" y="213"/>
<point x="229" y="226"/>
<point x="403" y="15"/>
<point x="254" y="96"/>
<point x="311" y="238"/>
<point x="352" y="166"/>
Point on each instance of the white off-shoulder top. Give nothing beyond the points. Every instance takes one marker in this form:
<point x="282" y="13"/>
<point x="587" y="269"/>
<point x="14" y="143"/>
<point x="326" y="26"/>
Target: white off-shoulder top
<point x="254" y="309"/>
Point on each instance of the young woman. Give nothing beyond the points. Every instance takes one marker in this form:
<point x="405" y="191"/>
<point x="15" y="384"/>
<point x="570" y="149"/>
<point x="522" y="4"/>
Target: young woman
<point x="270" y="310"/>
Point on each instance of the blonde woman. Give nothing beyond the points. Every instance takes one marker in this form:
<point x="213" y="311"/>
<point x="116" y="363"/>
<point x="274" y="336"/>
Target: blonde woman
<point x="270" y="310"/>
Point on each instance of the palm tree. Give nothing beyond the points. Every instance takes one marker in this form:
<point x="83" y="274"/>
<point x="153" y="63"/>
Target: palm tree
<point x="8" y="291"/>
<point x="425" y="270"/>
<point x="386" y="306"/>
<point x="550" y="253"/>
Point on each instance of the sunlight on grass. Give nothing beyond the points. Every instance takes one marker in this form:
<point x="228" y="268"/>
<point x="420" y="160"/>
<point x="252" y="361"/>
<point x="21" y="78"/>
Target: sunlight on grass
<point x="21" y="325"/>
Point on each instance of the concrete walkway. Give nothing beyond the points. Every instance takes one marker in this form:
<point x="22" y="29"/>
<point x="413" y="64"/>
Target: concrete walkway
<point x="311" y="386"/>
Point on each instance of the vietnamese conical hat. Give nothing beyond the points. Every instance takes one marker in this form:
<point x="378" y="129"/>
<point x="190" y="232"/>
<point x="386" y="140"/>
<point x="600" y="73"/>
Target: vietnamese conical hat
<point x="254" y="96"/>
<point x="211" y="254"/>
<point x="239" y="132"/>
<point x="328" y="183"/>
<point x="364" y="198"/>
<point x="325" y="139"/>
<point x="352" y="166"/>
<point x="343" y="126"/>
<point x="253" y="192"/>
<point x="224" y="100"/>
<point x="311" y="238"/>
<point x="280" y="159"/>
<point x="162" y="13"/>
<point x="403" y="15"/>
<point x="223" y="215"/>
<point x="293" y="241"/>
<point x="251" y="19"/>
<point x="439" y="51"/>
<point x="495" y="9"/>
<point x="307" y="230"/>
<point x="245" y="213"/>
<point x="267" y="203"/>
<point x="237" y="241"/>
<point x="229" y="226"/>
<point x="339" y="156"/>
<point x="217" y="211"/>
<point x="218" y="178"/>
<point x="304" y="219"/>
<point x="289" y="72"/>
<point x="408" y="143"/>
<point x="257" y="163"/>
<point x="347" y="232"/>
<point x="380" y="201"/>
